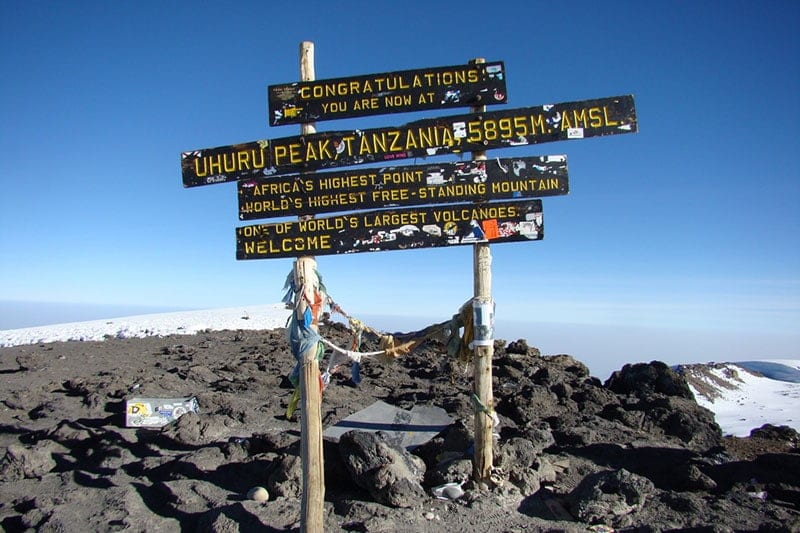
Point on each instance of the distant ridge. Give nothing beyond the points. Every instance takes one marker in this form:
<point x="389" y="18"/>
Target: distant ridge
<point x="772" y="370"/>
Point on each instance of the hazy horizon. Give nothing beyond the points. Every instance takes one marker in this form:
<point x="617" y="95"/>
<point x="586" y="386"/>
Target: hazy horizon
<point x="16" y="314"/>
<point x="602" y="347"/>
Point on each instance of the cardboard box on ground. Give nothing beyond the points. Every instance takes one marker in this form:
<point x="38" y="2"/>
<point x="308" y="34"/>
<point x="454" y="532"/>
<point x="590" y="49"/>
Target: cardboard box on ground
<point x="157" y="412"/>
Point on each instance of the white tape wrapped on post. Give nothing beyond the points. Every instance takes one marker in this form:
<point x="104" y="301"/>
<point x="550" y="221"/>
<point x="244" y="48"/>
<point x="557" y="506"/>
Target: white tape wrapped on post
<point x="483" y="322"/>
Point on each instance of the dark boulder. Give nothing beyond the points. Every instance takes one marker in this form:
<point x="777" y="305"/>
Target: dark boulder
<point x="644" y="379"/>
<point x="389" y="473"/>
<point x="519" y="347"/>
<point x="779" y="433"/>
<point x="609" y="497"/>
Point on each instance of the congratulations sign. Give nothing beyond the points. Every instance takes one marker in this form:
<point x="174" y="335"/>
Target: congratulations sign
<point x="391" y="92"/>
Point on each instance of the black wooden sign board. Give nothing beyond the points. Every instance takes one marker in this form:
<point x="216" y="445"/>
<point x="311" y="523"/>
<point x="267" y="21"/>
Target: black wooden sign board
<point x="429" y="137"/>
<point x="399" y="229"/>
<point x="390" y="92"/>
<point x="371" y="188"/>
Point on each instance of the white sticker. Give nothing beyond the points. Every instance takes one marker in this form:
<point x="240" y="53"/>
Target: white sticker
<point x="459" y="130"/>
<point x="574" y="133"/>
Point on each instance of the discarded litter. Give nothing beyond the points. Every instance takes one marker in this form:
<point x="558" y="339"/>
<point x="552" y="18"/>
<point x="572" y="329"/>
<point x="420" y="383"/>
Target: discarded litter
<point x="448" y="491"/>
<point x="157" y="412"/>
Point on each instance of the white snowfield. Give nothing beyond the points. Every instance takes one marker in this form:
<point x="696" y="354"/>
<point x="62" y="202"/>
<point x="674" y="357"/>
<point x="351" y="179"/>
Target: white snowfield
<point x="186" y="322"/>
<point x="754" y="401"/>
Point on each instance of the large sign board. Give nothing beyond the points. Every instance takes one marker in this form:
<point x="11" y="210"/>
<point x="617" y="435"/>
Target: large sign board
<point x="429" y="137"/>
<point x="372" y="188"/>
<point x="399" y="229"/>
<point x="390" y="92"/>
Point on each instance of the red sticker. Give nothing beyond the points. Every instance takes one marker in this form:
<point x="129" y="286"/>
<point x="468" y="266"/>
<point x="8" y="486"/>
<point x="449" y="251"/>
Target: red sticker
<point x="490" y="229"/>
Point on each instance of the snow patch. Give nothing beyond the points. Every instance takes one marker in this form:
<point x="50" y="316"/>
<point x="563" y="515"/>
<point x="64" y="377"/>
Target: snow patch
<point x="268" y="316"/>
<point x="748" y="400"/>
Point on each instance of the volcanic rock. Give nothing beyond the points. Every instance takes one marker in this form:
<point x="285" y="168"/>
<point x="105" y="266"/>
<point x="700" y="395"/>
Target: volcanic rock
<point x="389" y="473"/>
<point x="636" y="453"/>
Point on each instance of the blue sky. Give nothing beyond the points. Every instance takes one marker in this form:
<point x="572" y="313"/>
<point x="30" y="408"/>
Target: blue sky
<point x="690" y="225"/>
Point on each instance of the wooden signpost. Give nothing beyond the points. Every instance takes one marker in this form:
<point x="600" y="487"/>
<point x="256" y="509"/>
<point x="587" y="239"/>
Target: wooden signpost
<point x="385" y="208"/>
<point x="390" y="92"/>
<point x="329" y="192"/>
<point x="308" y="308"/>
<point x="482" y="349"/>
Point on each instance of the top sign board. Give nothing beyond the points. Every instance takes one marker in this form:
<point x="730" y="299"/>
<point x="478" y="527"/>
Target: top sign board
<point x="391" y="92"/>
<point x="427" y="137"/>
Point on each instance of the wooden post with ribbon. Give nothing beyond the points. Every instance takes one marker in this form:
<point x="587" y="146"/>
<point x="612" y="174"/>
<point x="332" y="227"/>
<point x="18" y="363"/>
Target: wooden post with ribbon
<point x="483" y="347"/>
<point x="309" y="299"/>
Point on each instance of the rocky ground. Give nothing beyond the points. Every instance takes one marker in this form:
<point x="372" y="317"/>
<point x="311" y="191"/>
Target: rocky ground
<point x="573" y="454"/>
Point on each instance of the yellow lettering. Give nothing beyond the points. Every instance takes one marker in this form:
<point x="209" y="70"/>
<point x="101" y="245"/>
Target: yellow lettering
<point x="294" y="153"/>
<point x="392" y="219"/>
<point x="324" y="148"/>
<point x="394" y="147"/>
<point x="215" y="165"/>
<point x="310" y="153"/>
<point x="349" y="142"/>
<point x="379" y="142"/>
<point x="411" y="142"/>
<point x="391" y="195"/>
<point x="608" y="122"/>
<point x="279" y="153"/>
<point x="397" y="100"/>
<point x="426" y="137"/>
<point x="250" y="231"/>
<point x="447" y="137"/>
<point x="363" y="145"/>
<point x="304" y="243"/>
<point x="197" y="171"/>
<point x="228" y="162"/>
<point x="413" y="176"/>
<point x="594" y="116"/>
<point x="520" y="126"/>
<point x="479" y="213"/>
<point x="243" y="160"/>
<point x="258" y="164"/>
<point x="474" y="130"/>
<point x="580" y="118"/>
<point x="366" y="103"/>
<point x="538" y="121"/>
<point x="334" y="107"/>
